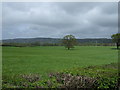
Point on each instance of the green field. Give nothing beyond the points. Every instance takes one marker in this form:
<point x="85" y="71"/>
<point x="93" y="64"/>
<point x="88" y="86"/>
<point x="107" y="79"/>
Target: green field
<point x="42" y="60"/>
<point x="20" y="64"/>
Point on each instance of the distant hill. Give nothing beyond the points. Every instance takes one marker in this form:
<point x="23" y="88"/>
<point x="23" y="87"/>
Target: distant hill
<point x="98" y="40"/>
<point x="55" y="40"/>
<point x="32" y="40"/>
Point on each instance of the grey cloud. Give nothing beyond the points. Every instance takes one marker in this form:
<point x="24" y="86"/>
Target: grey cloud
<point x="84" y="20"/>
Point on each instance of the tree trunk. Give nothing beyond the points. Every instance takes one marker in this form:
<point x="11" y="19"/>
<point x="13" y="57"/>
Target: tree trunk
<point x="68" y="48"/>
<point x="117" y="46"/>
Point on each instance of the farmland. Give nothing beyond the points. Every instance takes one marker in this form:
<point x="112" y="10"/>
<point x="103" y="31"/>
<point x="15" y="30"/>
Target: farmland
<point x="46" y="59"/>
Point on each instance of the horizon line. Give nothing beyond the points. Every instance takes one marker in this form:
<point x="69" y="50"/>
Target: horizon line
<point x="55" y="38"/>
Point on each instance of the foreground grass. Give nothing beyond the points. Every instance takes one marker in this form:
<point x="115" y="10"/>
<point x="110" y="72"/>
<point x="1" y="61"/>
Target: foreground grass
<point x="104" y="76"/>
<point x="43" y="60"/>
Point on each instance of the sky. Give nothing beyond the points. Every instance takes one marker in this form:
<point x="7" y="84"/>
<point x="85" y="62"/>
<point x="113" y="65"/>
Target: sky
<point x="57" y="19"/>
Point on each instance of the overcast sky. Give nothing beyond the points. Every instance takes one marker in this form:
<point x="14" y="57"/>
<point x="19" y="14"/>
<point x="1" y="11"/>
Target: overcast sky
<point x="55" y="20"/>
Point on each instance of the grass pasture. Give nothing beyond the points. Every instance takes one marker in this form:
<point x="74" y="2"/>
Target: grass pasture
<point x="45" y="59"/>
<point x="17" y="60"/>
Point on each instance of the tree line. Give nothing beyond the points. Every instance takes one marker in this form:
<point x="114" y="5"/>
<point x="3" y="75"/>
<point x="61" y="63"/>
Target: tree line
<point x="69" y="41"/>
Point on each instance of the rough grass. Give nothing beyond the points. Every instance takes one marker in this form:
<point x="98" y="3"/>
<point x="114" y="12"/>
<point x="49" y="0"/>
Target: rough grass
<point x="104" y="76"/>
<point x="43" y="60"/>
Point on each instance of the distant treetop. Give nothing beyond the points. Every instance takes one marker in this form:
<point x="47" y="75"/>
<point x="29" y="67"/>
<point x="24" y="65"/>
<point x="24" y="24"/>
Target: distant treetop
<point x="69" y="41"/>
<point x="116" y="39"/>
